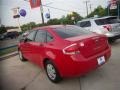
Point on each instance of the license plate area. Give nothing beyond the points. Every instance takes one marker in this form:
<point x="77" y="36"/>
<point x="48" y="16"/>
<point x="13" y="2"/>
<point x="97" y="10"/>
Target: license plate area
<point x="101" y="60"/>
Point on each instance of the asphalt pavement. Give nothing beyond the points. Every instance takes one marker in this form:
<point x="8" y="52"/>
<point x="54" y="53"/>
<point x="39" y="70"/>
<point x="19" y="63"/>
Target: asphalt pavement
<point x="17" y="75"/>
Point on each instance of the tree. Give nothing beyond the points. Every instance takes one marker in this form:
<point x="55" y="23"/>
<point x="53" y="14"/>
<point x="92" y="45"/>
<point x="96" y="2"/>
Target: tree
<point x="32" y="25"/>
<point x="28" y="26"/>
<point x="2" y="29"/>
<point x="75" y="16"/>
<point x="66" y="19"/>
<point x="71" y="18"/>
<point x="54" y="21"/>
<point x="100" y="11"/>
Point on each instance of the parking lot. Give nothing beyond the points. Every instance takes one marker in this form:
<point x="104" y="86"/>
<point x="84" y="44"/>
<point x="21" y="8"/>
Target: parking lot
<point x="16" y="75"/>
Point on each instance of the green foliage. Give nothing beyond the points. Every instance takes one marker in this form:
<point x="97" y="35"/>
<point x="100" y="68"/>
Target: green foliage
<point x="66" y="20"/>
<point x="28" y="26"/>
<point x="98" y="11"/>
<point x="2" y="29"/>
<point x="76" y="16"/>
<point x="53" y="21"/>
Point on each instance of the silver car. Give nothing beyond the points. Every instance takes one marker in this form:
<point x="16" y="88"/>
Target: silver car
<point x="109" y="26"/>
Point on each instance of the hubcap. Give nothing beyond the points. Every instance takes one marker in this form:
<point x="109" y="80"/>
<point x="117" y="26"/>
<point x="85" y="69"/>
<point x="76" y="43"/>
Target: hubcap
<point x="51" y="71"/>
<point x="20" y="54"/>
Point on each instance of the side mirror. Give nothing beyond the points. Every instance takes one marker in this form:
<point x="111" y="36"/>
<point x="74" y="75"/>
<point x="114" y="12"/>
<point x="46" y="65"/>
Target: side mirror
<point x="25" y="40"/>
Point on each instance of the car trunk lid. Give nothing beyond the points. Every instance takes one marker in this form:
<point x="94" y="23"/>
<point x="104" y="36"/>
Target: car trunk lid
<point x="90" y="45"/>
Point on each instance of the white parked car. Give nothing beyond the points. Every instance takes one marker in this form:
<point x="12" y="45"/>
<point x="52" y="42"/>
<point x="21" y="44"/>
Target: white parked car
<point x="109" y="26"/>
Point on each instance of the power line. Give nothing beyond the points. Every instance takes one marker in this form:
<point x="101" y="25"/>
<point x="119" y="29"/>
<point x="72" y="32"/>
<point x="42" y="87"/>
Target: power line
<point x="59" y="9"/>
<point x="68" y="5"/>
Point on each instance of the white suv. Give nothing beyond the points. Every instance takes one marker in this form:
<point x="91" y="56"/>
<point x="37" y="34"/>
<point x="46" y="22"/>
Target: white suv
<point x="109" y="26"/>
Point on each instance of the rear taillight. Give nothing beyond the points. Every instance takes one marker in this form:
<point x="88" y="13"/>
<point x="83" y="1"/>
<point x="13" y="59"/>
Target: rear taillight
<point x="72" y="49"/>
<point x="108" y="27"/>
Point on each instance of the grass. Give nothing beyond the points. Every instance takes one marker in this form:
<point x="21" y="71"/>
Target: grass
<point x="7" y="51"/>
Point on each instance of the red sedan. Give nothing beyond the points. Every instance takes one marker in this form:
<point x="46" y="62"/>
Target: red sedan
<point x="64" y="50"/>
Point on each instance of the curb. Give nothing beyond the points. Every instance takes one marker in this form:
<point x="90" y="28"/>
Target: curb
<point x="4" y="57"/>
<point x="7" y="47"/>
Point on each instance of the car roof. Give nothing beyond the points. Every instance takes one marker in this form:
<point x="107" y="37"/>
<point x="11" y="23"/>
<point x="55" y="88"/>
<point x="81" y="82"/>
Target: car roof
<point x="94" y="18"/>
<point x="50" y="27"/>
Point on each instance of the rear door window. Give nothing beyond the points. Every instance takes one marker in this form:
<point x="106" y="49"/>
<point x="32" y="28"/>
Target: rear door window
<point x="85" y="24"/>
<point x="31" y="36"/>
<point x="40" y="36"/>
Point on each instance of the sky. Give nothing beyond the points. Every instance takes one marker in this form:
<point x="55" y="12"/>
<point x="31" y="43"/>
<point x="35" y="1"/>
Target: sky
<point x="33" y="15"/>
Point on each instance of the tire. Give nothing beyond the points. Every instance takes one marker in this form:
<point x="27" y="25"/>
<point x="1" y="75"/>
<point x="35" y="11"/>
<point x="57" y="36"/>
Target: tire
<point x="112" y="41"/>
<point x="11" y="37"/>
<point x="52" y="72"/>
<point x="21" y="56"/>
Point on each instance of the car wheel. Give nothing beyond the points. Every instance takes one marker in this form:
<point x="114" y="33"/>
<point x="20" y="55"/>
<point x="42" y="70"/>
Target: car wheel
<point x="112" y="41"/>
<point x="21" y="56"/>
<point x="52" y="72"/>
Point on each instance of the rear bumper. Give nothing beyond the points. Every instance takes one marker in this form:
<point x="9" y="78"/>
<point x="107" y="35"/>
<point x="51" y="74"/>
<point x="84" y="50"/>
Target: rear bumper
<point x="77" y="65"/>
<point x="114" y="37"/>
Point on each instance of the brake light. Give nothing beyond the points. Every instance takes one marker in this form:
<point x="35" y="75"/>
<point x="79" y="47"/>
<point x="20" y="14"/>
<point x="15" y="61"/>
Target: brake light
<point x="108" y="27"/>
<point x="72" y="49"/>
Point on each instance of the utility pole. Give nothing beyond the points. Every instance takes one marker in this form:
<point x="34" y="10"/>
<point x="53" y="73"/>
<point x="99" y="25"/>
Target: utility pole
<point x="86" y="2"/>
<point x="41" y="10"/>
<point x="90" y="8"/>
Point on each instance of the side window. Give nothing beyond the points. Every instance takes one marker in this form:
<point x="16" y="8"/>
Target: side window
<point x="40" y="36"/>
<point x="85" y="24"/>
<point x="31" y="36"/>
<point x="49" y="37"/>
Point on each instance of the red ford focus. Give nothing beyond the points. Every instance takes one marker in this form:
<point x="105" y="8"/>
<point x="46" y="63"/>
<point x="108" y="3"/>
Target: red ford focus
<point x="64" y="50"/>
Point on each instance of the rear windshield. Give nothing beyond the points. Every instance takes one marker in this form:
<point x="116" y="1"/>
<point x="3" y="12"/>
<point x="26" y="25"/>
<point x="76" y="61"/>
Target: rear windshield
<point x="104" y="21"/>
<point x="70" y="31"/>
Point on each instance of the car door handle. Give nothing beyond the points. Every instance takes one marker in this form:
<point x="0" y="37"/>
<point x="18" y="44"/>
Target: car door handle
<point x="41" y="45"/>
<point x="51" y="44"/>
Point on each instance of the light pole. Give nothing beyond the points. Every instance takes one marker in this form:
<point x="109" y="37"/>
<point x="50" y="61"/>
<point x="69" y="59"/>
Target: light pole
<point x="41" y="10"/>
